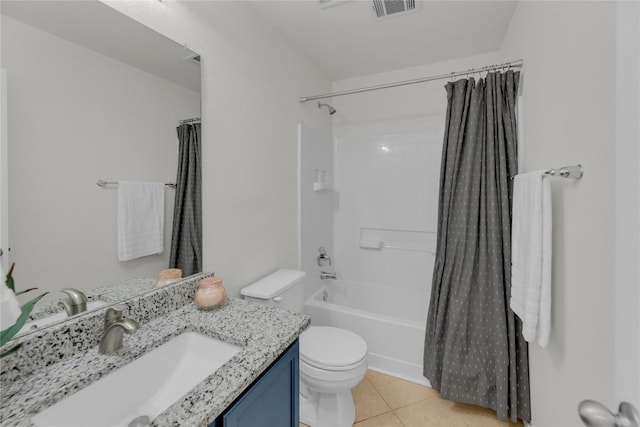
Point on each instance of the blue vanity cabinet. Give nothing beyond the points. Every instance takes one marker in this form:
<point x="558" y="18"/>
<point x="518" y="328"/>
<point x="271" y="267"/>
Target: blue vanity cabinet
<point x="272" y="400"/>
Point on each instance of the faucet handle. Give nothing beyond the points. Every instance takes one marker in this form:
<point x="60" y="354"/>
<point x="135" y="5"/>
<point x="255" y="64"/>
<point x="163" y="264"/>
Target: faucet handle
<point x="113" y="314"/>
<point x="322" y="257"/>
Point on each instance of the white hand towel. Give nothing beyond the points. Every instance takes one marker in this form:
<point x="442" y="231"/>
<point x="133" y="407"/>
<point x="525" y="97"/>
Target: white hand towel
<point x="140" y="219"/>
<point x="531" y="255"/>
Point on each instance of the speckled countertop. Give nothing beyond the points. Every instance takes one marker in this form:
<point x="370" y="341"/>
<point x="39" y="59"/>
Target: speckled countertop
<point x="109" y="293"/>
<point x="263" y="332"/>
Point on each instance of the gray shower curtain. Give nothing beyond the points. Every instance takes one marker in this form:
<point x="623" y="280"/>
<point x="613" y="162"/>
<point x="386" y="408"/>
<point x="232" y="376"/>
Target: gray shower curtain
<point x="474" y="350"/>
<point x="186" y="237"/>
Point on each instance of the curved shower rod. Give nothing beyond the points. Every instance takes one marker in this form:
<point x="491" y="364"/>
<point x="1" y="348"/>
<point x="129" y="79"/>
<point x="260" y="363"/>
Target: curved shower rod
<point x="511" y="64"/>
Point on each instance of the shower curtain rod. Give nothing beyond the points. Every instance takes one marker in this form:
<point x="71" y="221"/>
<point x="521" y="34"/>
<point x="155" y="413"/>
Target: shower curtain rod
<point x="189" y="121"/>
<point x="511" y="64"/>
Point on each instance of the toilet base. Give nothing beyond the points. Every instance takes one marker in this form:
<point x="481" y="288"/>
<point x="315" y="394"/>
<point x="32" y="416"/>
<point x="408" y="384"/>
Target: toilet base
<point x="327" y="409"/>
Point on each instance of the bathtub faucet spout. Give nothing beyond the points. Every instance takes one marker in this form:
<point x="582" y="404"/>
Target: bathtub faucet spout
<point x="324" y="275"/>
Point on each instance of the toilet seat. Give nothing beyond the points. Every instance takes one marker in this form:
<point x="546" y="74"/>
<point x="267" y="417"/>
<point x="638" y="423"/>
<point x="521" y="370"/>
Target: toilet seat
<point x="332" y="349"/>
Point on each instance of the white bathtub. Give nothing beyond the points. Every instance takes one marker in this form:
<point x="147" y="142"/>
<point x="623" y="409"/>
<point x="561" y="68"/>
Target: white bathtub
<point x="391" y="321"/>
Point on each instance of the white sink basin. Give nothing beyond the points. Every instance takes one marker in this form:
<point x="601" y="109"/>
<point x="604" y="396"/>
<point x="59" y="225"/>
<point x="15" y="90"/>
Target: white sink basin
<point x="56" y="317"/>
<point x="145" y="387"/>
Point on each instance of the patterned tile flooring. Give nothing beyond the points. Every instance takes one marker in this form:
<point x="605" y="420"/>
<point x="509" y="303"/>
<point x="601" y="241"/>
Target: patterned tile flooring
<point x="385" y="401"/>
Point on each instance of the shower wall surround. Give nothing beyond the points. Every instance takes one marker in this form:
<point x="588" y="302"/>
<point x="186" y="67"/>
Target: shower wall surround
<point x="377" y="222"/>
<point x="387" y="197"/>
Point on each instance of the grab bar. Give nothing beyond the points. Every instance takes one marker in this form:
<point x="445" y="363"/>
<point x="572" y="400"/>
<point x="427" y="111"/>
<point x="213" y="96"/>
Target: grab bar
<point x="377" y="238"/>
<point x="408" y="248"/>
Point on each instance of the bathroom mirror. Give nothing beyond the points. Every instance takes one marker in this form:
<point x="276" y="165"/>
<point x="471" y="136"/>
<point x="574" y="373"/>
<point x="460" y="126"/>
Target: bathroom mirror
<point x="91" y="95"/>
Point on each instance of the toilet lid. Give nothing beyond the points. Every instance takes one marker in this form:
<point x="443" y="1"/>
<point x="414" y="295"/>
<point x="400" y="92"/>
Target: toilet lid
<point x="331" y="347"/>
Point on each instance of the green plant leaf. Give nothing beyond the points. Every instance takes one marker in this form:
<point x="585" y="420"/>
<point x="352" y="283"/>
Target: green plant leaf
<point x="9" y="333"/>
<point x="9" y="279"/>
<point x="11" y="350"/>
<point x="25" y="291"/>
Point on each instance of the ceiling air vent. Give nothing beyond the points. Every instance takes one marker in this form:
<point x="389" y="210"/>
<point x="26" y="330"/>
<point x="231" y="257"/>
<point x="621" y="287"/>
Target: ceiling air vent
<point x="384" y="8"/>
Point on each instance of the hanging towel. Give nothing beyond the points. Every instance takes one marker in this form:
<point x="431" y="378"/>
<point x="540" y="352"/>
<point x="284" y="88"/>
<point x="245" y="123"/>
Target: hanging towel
<point x="140" y="219"/>
<point x="531" y="255"/>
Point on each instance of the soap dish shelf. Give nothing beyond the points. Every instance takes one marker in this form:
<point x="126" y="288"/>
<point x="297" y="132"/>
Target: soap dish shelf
<point x="320" y="186"/>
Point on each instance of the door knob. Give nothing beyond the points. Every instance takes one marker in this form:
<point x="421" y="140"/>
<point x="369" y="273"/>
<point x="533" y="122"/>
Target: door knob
<point x="595" y="414"/>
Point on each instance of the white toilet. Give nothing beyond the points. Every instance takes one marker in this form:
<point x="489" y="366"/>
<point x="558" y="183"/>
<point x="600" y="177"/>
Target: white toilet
<point x="332" y="360"/>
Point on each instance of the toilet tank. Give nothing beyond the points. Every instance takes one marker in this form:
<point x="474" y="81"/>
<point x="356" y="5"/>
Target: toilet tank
<point x="283" y="288"/>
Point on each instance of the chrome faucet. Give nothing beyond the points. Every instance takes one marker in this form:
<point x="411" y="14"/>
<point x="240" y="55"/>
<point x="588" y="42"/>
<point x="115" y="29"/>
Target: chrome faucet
<point x="73" y="302"/>
<point x="325" y="275"/>
<point x="114" y="327"/>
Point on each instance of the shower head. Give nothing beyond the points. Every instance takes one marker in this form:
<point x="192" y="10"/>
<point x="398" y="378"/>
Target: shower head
<point x="332" y="110"/>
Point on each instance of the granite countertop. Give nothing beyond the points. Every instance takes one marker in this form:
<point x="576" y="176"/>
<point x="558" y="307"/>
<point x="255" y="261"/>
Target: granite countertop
<point x="263" y="333"/>
<point x="109" y="293"/>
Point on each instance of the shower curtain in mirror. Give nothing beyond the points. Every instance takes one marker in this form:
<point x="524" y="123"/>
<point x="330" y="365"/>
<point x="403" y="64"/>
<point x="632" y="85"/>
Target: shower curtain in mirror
<point x="474" y="350"/>
<point x="186" y="237"/>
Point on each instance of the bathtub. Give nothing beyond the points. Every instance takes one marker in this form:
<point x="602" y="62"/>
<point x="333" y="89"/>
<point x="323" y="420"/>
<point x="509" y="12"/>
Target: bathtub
<point x="391" y="321"/>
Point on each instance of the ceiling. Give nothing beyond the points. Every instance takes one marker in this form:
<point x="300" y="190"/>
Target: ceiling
<point x="344" y="40"/>
<point x="347" y="40"/>
<point x="101" y="28"/>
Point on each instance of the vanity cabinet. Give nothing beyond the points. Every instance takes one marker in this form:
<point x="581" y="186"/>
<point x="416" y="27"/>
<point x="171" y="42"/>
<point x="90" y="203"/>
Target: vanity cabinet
<point x="272" y="400"/>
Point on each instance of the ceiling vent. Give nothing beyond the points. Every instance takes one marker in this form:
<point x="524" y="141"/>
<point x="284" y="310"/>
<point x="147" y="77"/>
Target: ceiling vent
<point x="385" y="8"/>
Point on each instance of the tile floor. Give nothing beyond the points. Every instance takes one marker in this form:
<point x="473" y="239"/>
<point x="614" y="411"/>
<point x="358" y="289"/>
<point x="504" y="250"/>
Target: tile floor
<point x="384" y="401"/>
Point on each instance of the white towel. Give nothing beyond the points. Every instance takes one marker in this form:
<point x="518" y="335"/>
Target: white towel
<point x="140" y="219"/>
<point x="531" y="255"/>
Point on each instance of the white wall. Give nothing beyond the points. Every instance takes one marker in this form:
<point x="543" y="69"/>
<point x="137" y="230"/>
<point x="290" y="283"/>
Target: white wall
<point x="4" y="174"/>
<point x="316" y="207"/>
<point x="251" y="81"/>
<point x="568" y="87"/>
<point x="627" y="204"/>
<point x="76" y="116"/>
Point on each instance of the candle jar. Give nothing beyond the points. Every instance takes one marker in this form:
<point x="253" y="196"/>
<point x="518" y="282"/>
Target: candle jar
<point x="210" y="293"/>
<point x="210" y="282"/>
<point x="166" y="277"/>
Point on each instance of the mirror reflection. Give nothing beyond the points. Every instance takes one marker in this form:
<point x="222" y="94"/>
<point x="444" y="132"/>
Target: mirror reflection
<point x="93" y="95"/>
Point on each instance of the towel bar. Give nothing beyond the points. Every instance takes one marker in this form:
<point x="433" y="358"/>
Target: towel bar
<point x="574" y="172"/>
<point x="567" y="172"/>
<point x="102" y="183"/>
